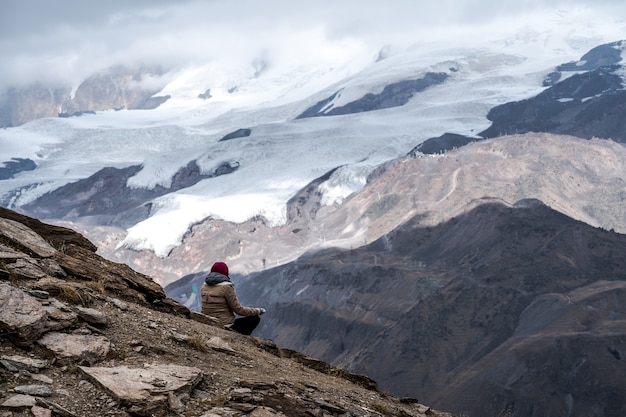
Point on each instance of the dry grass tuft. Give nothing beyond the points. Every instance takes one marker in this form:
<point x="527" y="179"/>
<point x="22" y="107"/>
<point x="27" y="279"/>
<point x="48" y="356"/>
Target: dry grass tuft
<point x="381" y="409"/>
<point x="73" y="296"/>
<point x="197" y="344"/>
<point x="96" y="286"/>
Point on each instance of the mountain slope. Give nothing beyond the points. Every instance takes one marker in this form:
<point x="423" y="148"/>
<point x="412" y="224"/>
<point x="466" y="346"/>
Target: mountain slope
<point x="580" y="178"/>
<point x="584" y="98"/>
<point x="83" y="336"/>
<point x="447" y="312"/>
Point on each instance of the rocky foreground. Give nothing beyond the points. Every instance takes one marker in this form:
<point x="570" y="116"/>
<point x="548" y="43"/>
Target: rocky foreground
<point x="83" y="336"/>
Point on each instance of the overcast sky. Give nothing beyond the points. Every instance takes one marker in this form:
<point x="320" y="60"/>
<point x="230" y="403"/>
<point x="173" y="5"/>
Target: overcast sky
<point x="69" y="39"/>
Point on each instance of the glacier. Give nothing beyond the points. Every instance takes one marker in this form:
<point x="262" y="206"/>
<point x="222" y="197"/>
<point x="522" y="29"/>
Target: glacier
<point x="485" y="67"/>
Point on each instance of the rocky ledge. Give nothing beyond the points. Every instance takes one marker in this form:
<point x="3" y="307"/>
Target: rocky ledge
<point x="83" y="336"/>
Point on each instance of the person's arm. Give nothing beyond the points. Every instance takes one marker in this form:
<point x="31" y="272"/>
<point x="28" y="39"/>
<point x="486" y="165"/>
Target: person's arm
<point x="235" y="305"/>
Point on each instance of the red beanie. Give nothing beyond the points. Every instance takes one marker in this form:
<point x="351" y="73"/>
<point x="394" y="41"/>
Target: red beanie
<point x="220" y="267"/>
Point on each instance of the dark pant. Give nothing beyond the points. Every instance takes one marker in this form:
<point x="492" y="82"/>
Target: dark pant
<point x="245" y="325"/>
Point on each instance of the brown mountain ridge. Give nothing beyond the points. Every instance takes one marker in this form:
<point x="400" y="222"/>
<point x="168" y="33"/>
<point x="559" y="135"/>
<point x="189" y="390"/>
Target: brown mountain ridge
<point x="514" y="309"/>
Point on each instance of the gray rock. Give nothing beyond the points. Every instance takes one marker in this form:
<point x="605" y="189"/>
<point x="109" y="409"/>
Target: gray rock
<point x="41" y="411"/>
<point x="80" y="348"/>
<point x="26" y="268"/>
<point x="217" y="343"/>
<point x="265" y="412"/>
<point x="42" y="295"/>
<point x="329" y="407"/>
<point x="120" y="304"/>
<point x="24" y="237"/>
<point x="60" y="316"/>
<point x="203" y="318"/>
<point x="16" y="363"/>
<point x="34" y="390"/>
<point x="42" y="378"/>
<point x="22" y="317"/>
<point x="91" y="315"/>
<point x="150" y="384"/>
<point x="19" y="401"/>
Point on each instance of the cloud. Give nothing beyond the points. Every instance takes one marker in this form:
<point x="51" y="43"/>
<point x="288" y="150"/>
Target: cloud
<point x="67" y="40"/>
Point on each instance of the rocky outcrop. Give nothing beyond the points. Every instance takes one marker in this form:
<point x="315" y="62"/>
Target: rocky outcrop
<point x="589" y="103"/>
<point x="106" y="198"/>
<point x="239" y="133"/>
<point x="601" y="56"/>
<point x="84" y="337"/>
<point x="14" y="166"/>
<point x="441" y="144"/>
<point x="393" y="95"/>
<point x="592" y="104"/>
<point x="115" y="88"/>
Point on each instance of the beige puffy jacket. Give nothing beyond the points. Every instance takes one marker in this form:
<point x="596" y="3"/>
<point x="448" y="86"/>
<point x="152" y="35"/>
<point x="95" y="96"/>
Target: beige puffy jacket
<point x="220" y="301"/>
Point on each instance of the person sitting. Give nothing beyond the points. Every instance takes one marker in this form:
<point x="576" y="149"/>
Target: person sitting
<point x="219" y="300"/>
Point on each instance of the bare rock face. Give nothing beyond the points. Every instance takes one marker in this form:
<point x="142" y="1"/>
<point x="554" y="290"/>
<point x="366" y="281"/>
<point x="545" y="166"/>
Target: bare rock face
<point x="16" y="363"/>
<point x="148" y="384"/>
<point x="115" y="88"/>
<point x="22" y="317"/>
<point x="19" y="234"/>
<point x="76" y="348"/>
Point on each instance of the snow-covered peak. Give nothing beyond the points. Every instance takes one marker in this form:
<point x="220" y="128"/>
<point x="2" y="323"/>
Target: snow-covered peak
<point x="486" y="66"/>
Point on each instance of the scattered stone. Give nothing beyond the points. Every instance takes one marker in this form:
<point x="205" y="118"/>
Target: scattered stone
<point x="120" y="304"/>
<point x="80" y="348"/>
<point x="137" y="385"/>
<point x="42" y="378"/>
<point x="92" y="329"/>
<point x="22" y="317"/>
<point x="34" y="390"/>
<point x="329" y="407"/>
<point x="40" y="411"/>
<point x="59" y="316"/>
<point x="243" y="395"/>
<point x="265" y="412"/>
<point x="203" y="318"/>
<point x="83" y="383"/>
<point x="179" y="337"/>
<point x="19" y="401"/>
<point x="43" y="295"/>
<point x="15" y="363"/>
<point x="245" y="407"/>
<point x="220" y="344"/>
<point x="91" y="315"/>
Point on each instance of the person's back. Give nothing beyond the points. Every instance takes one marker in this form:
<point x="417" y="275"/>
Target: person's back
<point x="219" y="300"/>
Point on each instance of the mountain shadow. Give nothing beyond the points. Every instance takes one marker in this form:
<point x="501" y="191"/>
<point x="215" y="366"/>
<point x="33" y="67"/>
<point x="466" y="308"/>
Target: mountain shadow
<point x="503" y="309"/>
